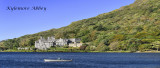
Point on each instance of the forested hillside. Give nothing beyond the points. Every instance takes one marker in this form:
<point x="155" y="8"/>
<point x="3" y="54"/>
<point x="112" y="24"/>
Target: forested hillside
<point x="135" y="27"/>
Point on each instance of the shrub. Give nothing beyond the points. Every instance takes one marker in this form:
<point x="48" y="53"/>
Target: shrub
<point x="82" y="47"/>
<point x="113" y="45"/>
<point x="65" y="46"/>
<point x="133" y="48"/>
<point x="3" y="48"/>
<point x="144" y="47"/>
<point x="90" y="48"/>
<point x="102" y="47"/>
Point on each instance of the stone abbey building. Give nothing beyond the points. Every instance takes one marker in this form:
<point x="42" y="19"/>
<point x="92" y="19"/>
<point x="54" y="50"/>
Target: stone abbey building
<point x="44" y="44"/>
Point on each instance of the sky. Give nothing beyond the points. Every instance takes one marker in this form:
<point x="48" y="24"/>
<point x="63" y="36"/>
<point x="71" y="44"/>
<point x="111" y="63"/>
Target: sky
<point x="58" y="13"/>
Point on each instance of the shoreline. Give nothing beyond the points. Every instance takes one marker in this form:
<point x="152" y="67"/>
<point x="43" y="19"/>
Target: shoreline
<point x="82" y="51"/>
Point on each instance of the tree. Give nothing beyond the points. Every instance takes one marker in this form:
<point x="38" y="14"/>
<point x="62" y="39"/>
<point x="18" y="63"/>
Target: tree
<point x="3" y="48"/>
<point x="102" y="47"/>
<point x="93" y="35"/>
<point x="9" y="43"/>
<point x="118" y="38"/>
<point x="83" y="47"/>
<point x="113" y="45"/>
<point x="85" y="39"/>
<point x="156" y="44"/>
<point x="133" y="44"/>
<point x="100" y="27"/>
<point x="144" y="47"/>
<point x="90" y="48"/>
<point x="122" y="45"/>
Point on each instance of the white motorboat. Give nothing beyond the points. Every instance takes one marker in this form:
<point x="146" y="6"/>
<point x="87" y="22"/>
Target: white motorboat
<point x="56" y="60"/>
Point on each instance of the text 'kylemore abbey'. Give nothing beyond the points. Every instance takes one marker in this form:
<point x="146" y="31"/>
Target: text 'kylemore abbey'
<point x="10" y="8"/>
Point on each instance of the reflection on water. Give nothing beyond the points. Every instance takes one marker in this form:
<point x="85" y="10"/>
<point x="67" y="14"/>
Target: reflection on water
<point x="80" y="60"/>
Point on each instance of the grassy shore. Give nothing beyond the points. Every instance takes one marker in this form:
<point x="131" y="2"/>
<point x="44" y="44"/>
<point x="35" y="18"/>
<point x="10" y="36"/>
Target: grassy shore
<point x="78" y="51"/>
<point x="60" y="49"/>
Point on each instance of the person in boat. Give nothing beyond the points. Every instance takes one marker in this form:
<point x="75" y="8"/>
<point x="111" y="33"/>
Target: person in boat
<point x="59" y="58"/>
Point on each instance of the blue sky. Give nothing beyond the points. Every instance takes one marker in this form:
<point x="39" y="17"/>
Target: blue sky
<point x="59" y="13"/>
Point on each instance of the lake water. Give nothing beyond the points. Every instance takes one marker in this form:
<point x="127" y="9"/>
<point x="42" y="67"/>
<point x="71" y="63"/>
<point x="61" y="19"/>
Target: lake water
<point x="80" y="60"/>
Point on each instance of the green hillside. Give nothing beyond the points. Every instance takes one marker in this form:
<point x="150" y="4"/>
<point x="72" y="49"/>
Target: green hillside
<point x="135" y="27"/>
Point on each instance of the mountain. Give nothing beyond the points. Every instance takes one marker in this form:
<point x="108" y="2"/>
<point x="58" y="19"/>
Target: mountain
<point x="133" y="27"/>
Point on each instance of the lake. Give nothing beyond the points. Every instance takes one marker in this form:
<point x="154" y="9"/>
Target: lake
<point x="80" y="60"/>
